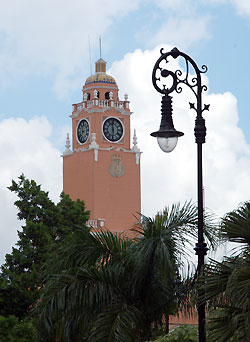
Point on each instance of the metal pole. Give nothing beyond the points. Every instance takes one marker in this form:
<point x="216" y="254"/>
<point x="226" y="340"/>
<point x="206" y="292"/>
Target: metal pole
<point x="160" y="74"/>
<point x="200" y="246"/>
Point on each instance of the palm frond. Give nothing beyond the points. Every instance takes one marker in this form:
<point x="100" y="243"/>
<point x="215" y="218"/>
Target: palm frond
<point x="235" y="227"/>
<point x="118" y="323"/>
<point x="84" y="247"/>
<point x="215" y="280"/>
<point x="228" y="323"/>
<point x="116" y="289"/>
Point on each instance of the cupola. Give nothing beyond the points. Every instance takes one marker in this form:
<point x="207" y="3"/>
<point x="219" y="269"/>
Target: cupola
<point x="100" y="66"/>
<point x="100" y="74"/>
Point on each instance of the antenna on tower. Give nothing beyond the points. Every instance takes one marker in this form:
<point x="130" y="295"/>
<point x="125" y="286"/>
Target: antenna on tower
<point x="90" y="62"/>
<point x="100" y="44"/>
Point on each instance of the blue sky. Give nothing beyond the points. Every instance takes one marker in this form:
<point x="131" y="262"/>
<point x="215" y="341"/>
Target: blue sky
<point x="44" y="61"/>
<point x="223" y="47"/>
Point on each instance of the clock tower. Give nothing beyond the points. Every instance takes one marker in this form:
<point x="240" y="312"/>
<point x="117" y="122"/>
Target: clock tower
<point x="101" y="168"/>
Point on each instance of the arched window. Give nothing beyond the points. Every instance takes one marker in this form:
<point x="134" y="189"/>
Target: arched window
<point x="107" y="95"/>
<point x="88" y="98"/>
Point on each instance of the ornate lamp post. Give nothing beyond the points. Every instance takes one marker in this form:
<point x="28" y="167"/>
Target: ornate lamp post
<point x="167" y="135"/>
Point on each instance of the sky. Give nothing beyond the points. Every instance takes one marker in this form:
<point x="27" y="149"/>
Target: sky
<point x="48" y="49"/>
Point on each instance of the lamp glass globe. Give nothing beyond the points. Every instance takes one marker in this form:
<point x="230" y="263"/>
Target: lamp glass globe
<point x="167" y="144"/>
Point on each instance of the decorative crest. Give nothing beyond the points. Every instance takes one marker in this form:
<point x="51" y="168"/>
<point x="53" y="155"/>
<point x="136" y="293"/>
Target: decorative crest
<point x="116" y="168"/>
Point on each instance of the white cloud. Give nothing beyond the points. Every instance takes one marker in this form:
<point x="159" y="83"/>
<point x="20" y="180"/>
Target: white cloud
<point x="183" y="6"/>
<point x="182" y="32"/>
<point x="242" y="7"/>
<point x="25" y="148"/>
<point x="167" y="178"/>
<point x="216" y="1"/>
<point x="44" y="36"/>
<point x="177" y="22"/>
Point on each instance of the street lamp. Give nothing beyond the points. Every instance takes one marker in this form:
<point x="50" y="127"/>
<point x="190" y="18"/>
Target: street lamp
<point x="165" y="82"/>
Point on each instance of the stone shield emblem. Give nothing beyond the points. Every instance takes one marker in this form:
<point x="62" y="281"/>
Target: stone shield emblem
<point x="116" y="167"/>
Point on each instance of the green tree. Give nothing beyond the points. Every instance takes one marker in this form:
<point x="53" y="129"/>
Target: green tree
<point x="11" y="330"/>
<point x="22" y="270"/>
<point x="44" y="226"/>
<point x="227" y="283"/>
<point x="110" y="288"/>
<point x="71" y="215"/>
<point x="183" y="333"/>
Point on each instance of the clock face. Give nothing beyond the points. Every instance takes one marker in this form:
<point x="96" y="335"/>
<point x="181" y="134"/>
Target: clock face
<point x="82" y="131"/>
<point x="113" y="129"/>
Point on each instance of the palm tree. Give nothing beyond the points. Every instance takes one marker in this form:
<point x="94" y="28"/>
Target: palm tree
<point x="227" y="283"/>
<point x="112" y="288"/>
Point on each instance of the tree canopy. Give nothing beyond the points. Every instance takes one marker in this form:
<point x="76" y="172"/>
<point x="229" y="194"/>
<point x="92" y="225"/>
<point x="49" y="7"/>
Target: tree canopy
<point x="111" y="288"/>
<point x="44" y="226"/>
<point x="81" y="285"/>
<point x="227" y="283"/>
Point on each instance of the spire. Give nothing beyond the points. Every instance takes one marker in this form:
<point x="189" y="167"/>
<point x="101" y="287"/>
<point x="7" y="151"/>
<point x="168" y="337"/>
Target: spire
<point x="67" y="145"/>
<point x="135" y="148"/>
<point x="100" y="65"/>
<point x="100" y="44"/>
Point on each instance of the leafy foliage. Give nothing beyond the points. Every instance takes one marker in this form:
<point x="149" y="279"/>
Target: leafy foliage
<point x="11" y="330"/>
<point x="44" y="226"/>
<point x="94" y="286"/>
<point x="113" y="289"/>
<point x="183" y="333"/>
<point x="227" y="283"/>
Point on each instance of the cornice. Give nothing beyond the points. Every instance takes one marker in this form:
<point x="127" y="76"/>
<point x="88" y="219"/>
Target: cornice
<point x="101" y="86"/>
<point x="100" y="110"/>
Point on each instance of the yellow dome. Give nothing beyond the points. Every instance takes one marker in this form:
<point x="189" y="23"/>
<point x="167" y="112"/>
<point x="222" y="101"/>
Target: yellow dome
<point x="100" y="78"/>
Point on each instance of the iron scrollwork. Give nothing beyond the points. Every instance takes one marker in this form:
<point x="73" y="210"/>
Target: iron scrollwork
<point x="161" y="75"/>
